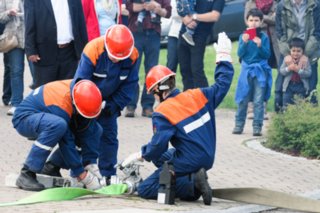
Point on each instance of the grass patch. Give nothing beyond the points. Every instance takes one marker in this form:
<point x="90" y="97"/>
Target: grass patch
<point x="209" y="66"/>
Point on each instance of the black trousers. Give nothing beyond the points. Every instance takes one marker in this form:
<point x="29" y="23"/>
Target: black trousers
<point x="64" y="68"/>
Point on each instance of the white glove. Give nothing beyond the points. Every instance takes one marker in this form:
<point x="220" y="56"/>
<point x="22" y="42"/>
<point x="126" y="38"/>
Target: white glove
<point x="132" y="158"/>
<point x="223" y="48"/>
<point x="94" y="169"/>
<point x="91" y="181"/>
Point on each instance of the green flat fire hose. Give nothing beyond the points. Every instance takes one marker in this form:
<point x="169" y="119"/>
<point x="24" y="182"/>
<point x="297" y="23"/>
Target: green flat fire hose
<point x="247" y="195"/>
<point x="268" y="198"/>
<point x="67" y="193"/>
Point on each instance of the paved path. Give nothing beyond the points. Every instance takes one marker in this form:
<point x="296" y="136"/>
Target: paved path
<point x="236" y="165"/>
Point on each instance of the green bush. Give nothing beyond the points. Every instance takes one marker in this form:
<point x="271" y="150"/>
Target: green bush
<point x="296" y="131"/>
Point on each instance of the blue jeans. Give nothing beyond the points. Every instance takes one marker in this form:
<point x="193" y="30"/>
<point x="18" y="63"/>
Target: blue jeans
<point x="292" y="90"/>
<point x="14" y="65"/>
<point x="172" y="55"/>
<point x="191" y="63"/>
<point x="6" y="89"/>
<point x="313" y="81"/>
<point x="147" y="42"/>
<point x="278" y="88"/>
<point x="256" y="93"/>
<point x="185" y="7"/>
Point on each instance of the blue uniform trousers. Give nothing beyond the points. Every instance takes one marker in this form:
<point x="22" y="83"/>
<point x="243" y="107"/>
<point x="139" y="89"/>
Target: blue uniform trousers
<point x="87" y="150"/>
<point x="184" y="181"/>
<point x="108" y="148"/>
<point x="48" y="129"/>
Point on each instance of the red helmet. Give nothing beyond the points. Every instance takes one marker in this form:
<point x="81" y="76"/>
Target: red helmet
<point x="119" y="41"/>
<point x="87" y="98"/>
<point x="156" y="75"/>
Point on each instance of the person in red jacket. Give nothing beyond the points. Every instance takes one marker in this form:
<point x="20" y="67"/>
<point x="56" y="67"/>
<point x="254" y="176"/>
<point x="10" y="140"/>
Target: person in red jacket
<point x="100" y="15"/>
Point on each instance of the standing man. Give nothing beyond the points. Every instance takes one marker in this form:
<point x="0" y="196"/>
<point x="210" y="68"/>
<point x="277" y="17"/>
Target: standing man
<point x="191" y="57"/>
<point x="301" y="19"/>
<point x="187" y="121"/>
<point x="55" y="37"/>
<point x="147" y="41"/>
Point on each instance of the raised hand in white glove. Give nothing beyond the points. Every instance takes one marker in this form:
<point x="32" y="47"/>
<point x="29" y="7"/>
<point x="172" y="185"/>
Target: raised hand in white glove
<point x="132" y="158"/>
<point x="91" y="181"/>
<point x="223" y="48"/>
<point x="94" y="169"/>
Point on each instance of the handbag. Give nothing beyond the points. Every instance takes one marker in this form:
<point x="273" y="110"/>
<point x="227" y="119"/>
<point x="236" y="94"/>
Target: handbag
<point x="8" y="40"/>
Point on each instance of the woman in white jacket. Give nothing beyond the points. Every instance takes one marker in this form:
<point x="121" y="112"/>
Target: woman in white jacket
<point x="11" y="14"/>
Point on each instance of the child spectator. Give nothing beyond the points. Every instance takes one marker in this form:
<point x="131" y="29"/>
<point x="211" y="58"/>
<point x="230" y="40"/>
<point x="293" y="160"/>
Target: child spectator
<point x="186" y="8"/>
<point x="142" y="14"/>
<point x="296" y="78"/>
<point x="255" y="79"/>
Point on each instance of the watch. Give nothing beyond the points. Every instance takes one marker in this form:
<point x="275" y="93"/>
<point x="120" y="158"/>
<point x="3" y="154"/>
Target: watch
<point x="194" y="17"/>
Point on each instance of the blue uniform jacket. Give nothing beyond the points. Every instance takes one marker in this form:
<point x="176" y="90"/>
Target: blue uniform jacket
<point x="116" y="81"/>
<point x="187" y="120"/>
<point x="53" y="98"/>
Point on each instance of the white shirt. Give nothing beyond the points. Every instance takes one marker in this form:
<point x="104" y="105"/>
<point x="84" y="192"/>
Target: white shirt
<point x="63" y="21"/>
<point x="176" y="21"/>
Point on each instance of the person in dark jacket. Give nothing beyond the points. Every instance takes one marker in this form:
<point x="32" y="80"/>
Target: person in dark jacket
<point x="55" y="37"/>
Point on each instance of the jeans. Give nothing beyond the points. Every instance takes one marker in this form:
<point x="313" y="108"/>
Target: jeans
<point x="147" y="42"/>
<point x="191" y="63"/>
<point x="6" y="89"/>
<point x="172" y="55"/>
<point x="278" y="88"/>
<point x="185" y="7"/>
<point x="292" y="90"/>
<point x="256" y="93"/>
<point x="14" y="68"/>
<point x="313" y="81"/>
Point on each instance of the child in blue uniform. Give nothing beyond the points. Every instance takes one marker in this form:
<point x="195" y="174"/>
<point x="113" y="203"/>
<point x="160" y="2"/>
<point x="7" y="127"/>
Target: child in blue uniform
<point x="187" y="121"/>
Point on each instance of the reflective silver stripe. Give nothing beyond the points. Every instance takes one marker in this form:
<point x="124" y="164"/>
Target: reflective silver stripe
<point x="48" y="148"/>
<point x="123" y="78"/>
<point x="36" y="91"/>
<point x="197" y="123"/>
<point x="100" y="75"/>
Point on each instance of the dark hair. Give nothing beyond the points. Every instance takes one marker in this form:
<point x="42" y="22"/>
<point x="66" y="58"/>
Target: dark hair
<point x="296" y="42"/>
<point x="255" y="13"/>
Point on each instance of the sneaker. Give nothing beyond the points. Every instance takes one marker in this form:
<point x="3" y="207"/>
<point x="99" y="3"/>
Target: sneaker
<point x="237" y="130"/>
<point x="147" y="113"/>
<point x="188" y="38"/>
<point x="130" y="112"/>
<point x="201" y="183"/>
<point x="51" y="170"/>
<point x="257" y="131"/>
<point x="11" y="111"/>
<point x="27" y="180"/>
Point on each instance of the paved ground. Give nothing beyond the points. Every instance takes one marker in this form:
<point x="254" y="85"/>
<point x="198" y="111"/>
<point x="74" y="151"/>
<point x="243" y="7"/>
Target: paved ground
<point x="236" y="165"/>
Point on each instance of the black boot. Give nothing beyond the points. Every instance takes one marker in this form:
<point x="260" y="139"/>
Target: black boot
<point x="27" y="180"/>
<point x="201" y="184"/>
<point x="51" y="170"/>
